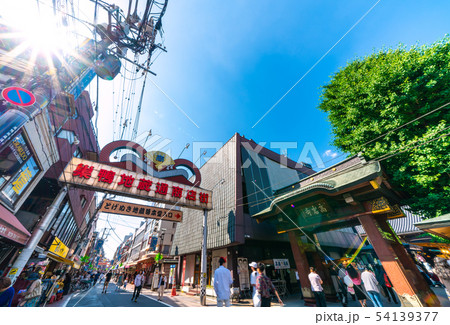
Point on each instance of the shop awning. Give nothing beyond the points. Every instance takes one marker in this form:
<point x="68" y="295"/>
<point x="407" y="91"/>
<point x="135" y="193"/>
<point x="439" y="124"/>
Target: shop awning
<point x="59" y="259"/>
<point x="11" y="228"/>
<point x="439" y="226"/>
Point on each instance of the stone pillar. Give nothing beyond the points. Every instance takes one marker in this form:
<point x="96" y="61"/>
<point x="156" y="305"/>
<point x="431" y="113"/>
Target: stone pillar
<point x="411" y="288"/>
<point x="302" y="265"/>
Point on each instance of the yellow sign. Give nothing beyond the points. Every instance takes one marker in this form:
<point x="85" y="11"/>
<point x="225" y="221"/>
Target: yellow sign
<point x="23" y="179"/>
<point x="160" y="159"/>
<point x="58" y="248"/>
<point x="13" y="271"/>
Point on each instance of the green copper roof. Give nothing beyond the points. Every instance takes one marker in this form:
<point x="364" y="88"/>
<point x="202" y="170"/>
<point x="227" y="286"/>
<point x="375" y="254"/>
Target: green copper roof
<point x="332" y="182"/>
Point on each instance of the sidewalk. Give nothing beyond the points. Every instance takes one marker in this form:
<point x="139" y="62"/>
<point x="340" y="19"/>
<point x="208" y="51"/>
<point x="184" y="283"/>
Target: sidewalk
<point x="184" y="300"/>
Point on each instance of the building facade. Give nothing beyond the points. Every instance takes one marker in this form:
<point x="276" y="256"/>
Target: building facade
<point x="244" y="176"/>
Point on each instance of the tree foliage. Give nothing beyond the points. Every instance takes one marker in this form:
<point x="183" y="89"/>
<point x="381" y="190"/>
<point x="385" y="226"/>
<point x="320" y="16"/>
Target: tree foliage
<point x="377" y="94"/>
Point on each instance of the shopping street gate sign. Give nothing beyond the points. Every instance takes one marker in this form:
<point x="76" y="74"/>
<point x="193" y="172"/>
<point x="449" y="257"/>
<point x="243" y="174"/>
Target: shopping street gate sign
<point x="141" y="211"/>
<point x="104" y="178"/>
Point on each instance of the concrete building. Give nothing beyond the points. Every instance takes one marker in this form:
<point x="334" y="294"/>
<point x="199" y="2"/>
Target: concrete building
<point x="244" y="176"/>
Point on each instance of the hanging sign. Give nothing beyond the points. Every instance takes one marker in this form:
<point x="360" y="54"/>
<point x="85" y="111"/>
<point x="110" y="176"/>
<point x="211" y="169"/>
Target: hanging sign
<point x="58" y="248"/>
<point x="98" y="177"/>
<point x="18" y="96"/>
<point x="141" y="211"/>
<point x="281" y="263"/>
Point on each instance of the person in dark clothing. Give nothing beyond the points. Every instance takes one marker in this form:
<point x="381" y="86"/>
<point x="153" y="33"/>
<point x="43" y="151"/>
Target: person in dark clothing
<point x="6" y="292"/>
<point x="96" y="276"/>
<point x="385" y="283"/>
<point x="21" y="283"/>
<point x="265" y="287"/>
<point x="107" y="279"/>
<point x="67" y="283"/>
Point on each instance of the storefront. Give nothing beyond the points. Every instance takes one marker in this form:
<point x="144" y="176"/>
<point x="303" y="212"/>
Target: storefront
<point x="13" y="236"/>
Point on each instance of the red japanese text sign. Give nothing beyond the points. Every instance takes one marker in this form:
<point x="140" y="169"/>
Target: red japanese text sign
<point x="104" y="178"/>
<point x="141" y="211"/>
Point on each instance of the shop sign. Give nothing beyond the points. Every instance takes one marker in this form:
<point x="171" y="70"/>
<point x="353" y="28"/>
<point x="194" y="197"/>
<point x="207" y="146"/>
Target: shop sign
<point x="141" y="211"/>
<point x="280" y="264"/>
<point x="22" y="179"/>
<point x="152" y="243"/>
<point x="58" y="248"/>
<point x="104" y="178"/>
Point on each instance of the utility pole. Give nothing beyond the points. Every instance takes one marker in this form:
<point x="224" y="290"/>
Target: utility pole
<point x="26" y="253"/>
<point x="204" y="261"/>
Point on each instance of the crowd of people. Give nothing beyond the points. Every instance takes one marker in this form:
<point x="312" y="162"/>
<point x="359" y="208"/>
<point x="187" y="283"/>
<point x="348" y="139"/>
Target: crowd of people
<point x="370" y="282"/>
<point x="361" y="283"/>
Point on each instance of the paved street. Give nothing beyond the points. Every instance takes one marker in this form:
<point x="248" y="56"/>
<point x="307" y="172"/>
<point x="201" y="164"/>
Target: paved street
<point x="148" y="298"/>
<point x="95" y="298"/>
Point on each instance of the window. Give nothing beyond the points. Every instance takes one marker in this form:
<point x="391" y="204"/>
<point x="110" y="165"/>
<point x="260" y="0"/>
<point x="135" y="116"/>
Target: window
<point x="68" y="135"/>
<point x="78" y="153"/>
<point x="171" y="238"/>
<point x="174" y="225"/>
<point x="83" y="201"/>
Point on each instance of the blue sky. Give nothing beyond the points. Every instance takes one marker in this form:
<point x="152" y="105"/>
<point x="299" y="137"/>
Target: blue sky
<point x="229" y="61"/>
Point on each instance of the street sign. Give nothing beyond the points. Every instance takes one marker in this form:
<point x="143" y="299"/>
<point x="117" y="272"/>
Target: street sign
<point x="18" y="96"/>
<point x="141" y="211"/>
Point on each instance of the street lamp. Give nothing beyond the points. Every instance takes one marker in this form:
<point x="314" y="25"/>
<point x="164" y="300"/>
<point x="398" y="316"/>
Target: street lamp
<point x="203" y="153"/>
<point x="204" y="249"/>
<point x="185" y="147"/>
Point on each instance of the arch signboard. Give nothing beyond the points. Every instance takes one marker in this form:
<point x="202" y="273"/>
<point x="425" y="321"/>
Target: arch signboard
<point x="108" y="179"/>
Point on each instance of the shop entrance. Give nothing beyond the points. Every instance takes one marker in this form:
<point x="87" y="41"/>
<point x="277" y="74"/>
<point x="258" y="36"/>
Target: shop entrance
<point x="351" y="193"/>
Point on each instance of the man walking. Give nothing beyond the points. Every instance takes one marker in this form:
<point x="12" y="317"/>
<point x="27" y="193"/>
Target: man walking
<point x="316" y="287"/>
<point x="255" y="295"/>
<point x="222" y="284"/>
<point x="371" y="286"/>
<point x="265" y="287"/>
<point x="107" y="279"/>
<point x="138" y="281"/>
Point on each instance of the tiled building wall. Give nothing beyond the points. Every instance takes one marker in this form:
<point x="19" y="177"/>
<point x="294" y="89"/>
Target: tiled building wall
<point x="221" y="220"/>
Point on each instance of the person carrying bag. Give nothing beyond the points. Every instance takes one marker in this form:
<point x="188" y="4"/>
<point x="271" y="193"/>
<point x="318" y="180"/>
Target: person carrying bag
<point x="33" y="293"/>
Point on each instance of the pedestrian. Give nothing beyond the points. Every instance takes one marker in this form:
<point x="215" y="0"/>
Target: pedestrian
<point x="222" y="284"/>
<point x="6" y="292"/>
<point x="119" y="282"/>
<point x="442" y="270"/>
<point x="355" y="276"/>
<point x="161" y="285"/>
<point x="22" y="283"/>
<point x="32" y="295"/>
<point x="316" y="287"/>
<point x="339" y="281"/>
<point x="371" y="285"/>
<point x="265" y="287"/>
<point x="125" y="282"/>
<point x="67" y="283"/>
<point x="385" y="283"/>
<point x="107" y="279"/>
<point x="96" y="276"/>
<point x="253" y="276"/>
<point x="138" y="281"/>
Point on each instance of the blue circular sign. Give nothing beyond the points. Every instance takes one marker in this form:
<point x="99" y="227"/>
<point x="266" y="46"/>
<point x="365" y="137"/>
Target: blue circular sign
<point x="18" y="96"/>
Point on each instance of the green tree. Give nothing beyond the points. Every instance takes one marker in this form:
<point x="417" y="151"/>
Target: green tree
<point x="379" y="93"/>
